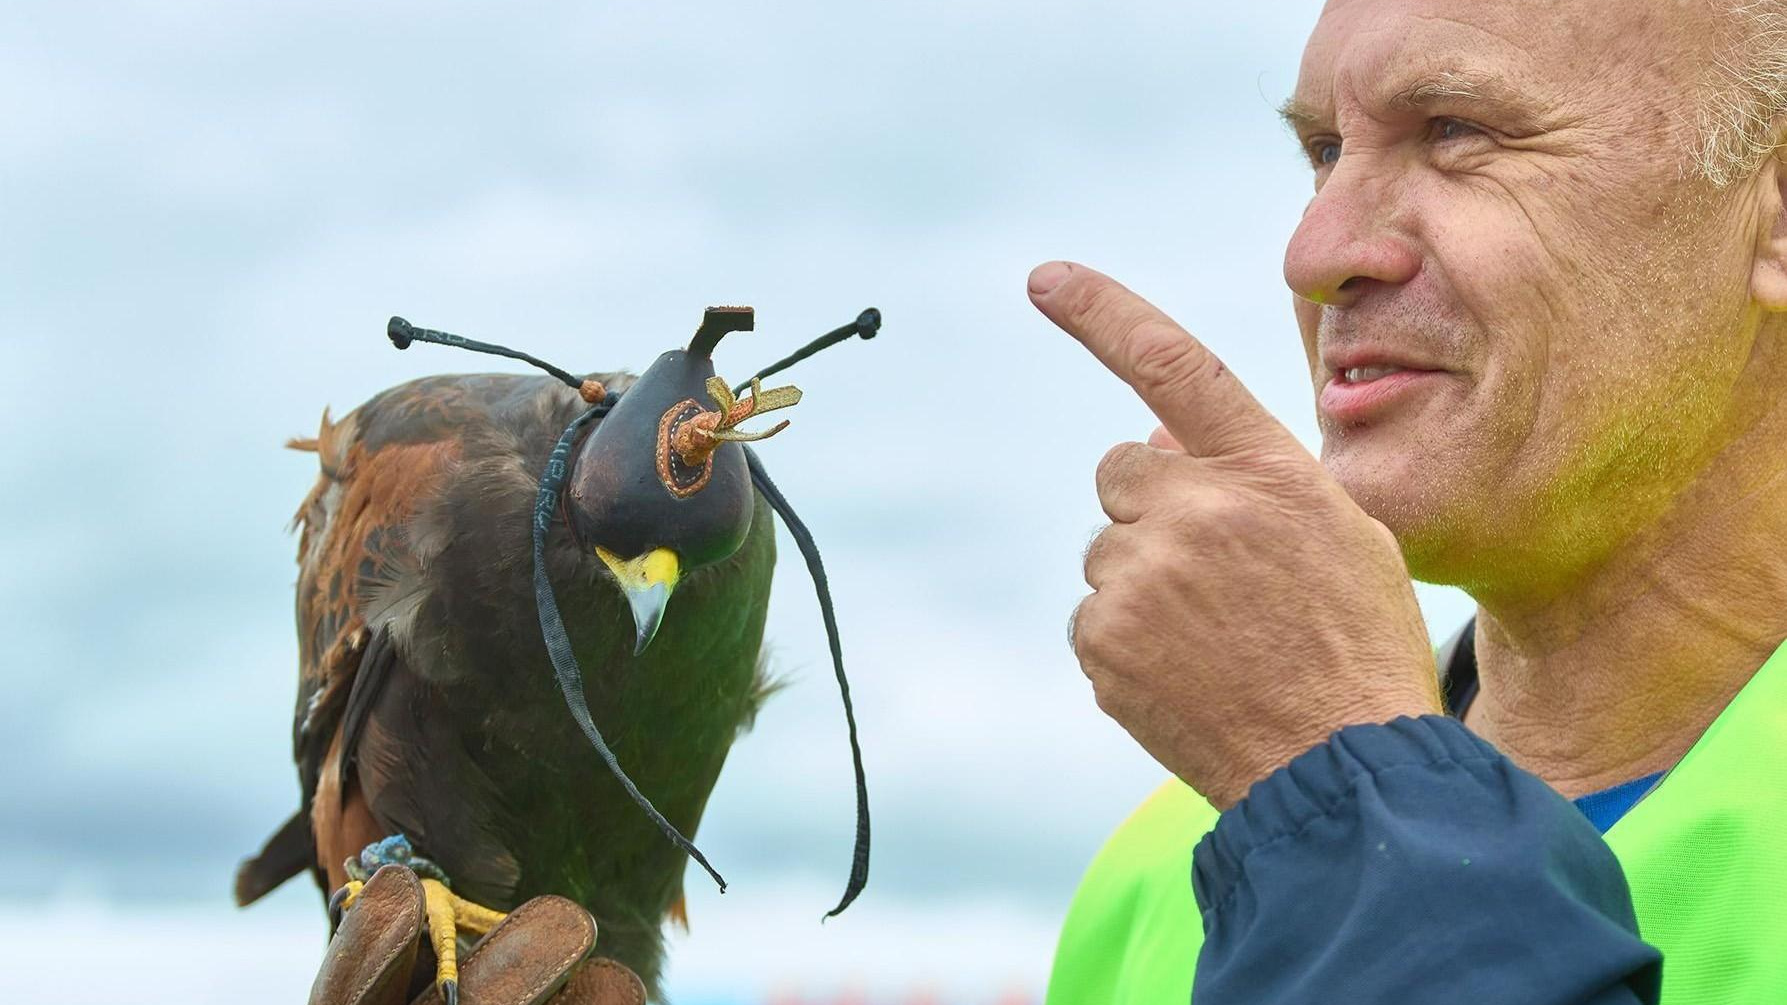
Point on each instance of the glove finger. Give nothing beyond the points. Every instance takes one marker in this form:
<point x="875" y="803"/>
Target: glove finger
<point x="526" y="958"/>
<point x="371" y="956"/>
<point x="602" y="981"/>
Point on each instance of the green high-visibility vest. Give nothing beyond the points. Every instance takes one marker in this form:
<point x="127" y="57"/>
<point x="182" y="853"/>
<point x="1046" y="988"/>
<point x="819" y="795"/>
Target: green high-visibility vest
<point x="1705" y="854"/>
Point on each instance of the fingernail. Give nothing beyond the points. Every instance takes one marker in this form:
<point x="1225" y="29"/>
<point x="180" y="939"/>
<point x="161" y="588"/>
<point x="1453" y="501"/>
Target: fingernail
<point x="1048" y="275"/>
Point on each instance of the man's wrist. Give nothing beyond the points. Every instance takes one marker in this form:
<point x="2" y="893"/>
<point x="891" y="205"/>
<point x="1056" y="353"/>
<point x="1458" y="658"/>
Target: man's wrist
<point x="1273" y="751"/>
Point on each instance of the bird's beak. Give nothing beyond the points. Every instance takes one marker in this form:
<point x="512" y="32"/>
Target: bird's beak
<point x="647" y="582"/>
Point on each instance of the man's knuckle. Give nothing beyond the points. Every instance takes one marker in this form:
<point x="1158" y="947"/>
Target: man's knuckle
<point x="1081" y="629"/>
<point x="1090" y="632"/>
<point x="1092" y="563"/>
<point x="1117" y="473"/>
<point x="1287" y="471"/>
<point x="1218" y="512"/>
<point x="1167" y="359"/>
<point x="1101" y="305"/>
<point x="1232" y="509"/>
<point x="1107" y="702"/>
<point x="1087" y="635"/>
<point x="1114" y="461"/>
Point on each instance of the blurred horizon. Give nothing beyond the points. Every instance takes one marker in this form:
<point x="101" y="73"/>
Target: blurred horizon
<point x="212" y="208"/>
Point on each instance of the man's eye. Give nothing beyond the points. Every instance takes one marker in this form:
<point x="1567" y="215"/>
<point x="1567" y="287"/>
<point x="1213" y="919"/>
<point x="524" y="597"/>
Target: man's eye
<point x="1324" y="152"/>
<point x="1453" y="129"/>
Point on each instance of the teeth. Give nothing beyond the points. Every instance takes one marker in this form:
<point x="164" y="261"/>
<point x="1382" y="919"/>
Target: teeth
<point x="1359" y="374"/>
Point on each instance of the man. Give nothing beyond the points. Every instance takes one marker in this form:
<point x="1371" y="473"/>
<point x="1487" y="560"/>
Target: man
<point x="1542" y="286"/>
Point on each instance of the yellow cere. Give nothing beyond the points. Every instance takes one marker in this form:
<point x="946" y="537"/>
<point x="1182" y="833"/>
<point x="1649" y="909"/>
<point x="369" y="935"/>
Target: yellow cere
<point x="656" y="566"/>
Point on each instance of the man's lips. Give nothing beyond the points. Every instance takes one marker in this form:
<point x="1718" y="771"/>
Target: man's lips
<point x="1339" y="359"/>
<point x="1357" y="393"/>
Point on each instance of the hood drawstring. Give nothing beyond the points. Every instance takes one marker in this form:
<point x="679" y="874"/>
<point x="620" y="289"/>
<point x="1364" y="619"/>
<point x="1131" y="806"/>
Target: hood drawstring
<point x="552" y="626"/>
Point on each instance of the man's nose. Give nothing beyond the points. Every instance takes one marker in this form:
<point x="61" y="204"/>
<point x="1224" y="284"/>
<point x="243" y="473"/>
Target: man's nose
<point x="1346" y="243"/>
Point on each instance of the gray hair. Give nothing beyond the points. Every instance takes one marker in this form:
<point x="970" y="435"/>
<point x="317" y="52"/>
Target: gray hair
<point x="1748" y="95"/>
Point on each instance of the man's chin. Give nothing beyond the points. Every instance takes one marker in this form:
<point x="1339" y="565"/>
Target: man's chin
<point x="1376" y="465"/>
<point x="1413" y="489"/>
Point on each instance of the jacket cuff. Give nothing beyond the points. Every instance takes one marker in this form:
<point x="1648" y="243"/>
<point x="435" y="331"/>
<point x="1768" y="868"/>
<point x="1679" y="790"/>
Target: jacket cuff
<point x="1316" y="783"/>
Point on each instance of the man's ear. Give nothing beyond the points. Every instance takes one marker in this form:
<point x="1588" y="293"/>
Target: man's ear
<point x="1768" y="276"/>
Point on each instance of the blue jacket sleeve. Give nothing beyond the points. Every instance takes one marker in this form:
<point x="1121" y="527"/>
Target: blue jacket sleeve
<point x="1412" y="862"/>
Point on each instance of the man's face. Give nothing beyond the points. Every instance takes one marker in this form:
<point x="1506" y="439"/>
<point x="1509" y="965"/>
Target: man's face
<point x="1502" y="211"/>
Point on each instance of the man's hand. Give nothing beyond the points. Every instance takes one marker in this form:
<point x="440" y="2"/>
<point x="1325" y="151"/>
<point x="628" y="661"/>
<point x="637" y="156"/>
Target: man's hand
<point x="1244" y="607"/>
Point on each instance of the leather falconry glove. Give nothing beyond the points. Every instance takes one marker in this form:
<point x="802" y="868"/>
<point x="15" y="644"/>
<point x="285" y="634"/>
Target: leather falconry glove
<point x="539" y="955"/>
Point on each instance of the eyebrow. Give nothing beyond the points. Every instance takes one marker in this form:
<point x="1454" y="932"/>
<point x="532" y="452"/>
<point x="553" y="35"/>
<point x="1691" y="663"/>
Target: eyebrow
<point x="1297" y="114"/>
<point x="1423" y="92"/>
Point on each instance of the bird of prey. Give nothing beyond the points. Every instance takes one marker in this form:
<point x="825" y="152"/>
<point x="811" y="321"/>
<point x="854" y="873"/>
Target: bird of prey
<point x="436" y="547"/>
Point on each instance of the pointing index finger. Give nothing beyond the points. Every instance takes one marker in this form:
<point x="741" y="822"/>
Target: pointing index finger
<point x="1197" y="399"/>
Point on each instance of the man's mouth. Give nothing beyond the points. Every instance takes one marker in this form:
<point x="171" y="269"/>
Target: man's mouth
<point x="1357" y="394"/>
<point x="1361" y="374"/>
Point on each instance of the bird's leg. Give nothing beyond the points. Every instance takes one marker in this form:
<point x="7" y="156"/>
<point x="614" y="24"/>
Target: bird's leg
<point x="448" y="913"/>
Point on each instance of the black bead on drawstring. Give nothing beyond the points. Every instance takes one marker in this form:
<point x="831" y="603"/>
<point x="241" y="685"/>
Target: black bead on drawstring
<point x="552" y="626"/>
<point x="401" y="333"/>
<point x="866" y="325"/>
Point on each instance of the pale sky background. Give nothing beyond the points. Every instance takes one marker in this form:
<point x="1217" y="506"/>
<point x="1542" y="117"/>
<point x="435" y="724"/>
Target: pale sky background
<point x="208" y="209"/>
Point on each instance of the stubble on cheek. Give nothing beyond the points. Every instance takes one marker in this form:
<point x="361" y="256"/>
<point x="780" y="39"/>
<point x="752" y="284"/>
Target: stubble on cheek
<point x="1615" y="402"/>
<point x="1443" y="474"/>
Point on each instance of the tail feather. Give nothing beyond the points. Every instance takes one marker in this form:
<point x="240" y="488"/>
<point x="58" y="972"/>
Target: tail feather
<point x="290" y="851"/>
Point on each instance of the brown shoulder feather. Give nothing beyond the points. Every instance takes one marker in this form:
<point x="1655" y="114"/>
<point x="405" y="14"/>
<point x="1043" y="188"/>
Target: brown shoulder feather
<point x="354" y="547"/>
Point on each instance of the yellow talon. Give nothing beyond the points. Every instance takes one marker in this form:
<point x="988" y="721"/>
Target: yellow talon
<point x="447" y="914"/>
<point x="442" y="933"/>
<point x="474" y="918"/>
<point x="340" y="901"/>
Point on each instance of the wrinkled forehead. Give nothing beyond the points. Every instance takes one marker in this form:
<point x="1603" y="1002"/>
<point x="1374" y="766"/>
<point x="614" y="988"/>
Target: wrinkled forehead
<point x="1643" y="55"/>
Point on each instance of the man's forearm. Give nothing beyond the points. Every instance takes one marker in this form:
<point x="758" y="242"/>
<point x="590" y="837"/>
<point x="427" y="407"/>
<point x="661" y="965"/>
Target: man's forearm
<point x="1412" y="862"/>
